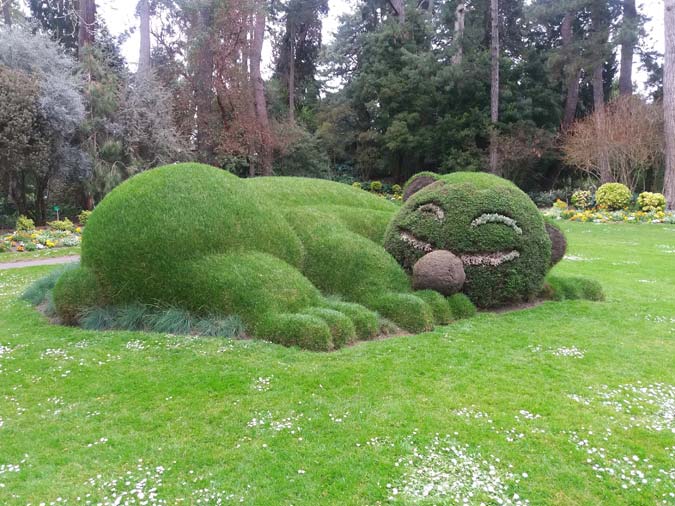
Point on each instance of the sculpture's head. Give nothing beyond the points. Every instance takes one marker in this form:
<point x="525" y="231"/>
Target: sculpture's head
<point x="485" y="226"/>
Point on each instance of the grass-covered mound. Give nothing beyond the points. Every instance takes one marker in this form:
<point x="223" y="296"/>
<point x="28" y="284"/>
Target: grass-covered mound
<point x="484" y="220"/>
<point x="269" y="250"/>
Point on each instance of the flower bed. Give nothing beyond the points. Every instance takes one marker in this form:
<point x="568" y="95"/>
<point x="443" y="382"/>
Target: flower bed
<point x="598" y="215"/>
<point x="39" y="239"/>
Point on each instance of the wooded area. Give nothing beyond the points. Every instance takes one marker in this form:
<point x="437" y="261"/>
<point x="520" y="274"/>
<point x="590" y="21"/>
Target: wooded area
<point x="540" y="92"/>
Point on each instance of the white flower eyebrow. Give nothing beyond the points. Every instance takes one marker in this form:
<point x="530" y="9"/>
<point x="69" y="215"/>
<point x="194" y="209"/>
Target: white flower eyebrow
<point x="497" y="218"/>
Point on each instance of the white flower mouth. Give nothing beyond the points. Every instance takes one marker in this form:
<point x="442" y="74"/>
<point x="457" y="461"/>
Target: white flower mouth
<point x="492" y="259"/>
<point x="416" y="243"/>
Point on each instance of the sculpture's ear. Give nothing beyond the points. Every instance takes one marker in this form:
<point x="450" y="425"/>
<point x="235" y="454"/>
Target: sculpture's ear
<point x="558" y="243"/>
<point x="417" y="182"/>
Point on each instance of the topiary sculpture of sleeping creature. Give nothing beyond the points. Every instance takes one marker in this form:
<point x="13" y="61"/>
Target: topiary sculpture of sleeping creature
<point x="302" y="261"/>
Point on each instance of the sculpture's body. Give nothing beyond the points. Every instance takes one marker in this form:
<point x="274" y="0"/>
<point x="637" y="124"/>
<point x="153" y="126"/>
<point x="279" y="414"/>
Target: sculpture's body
<point x="272" y="250"/>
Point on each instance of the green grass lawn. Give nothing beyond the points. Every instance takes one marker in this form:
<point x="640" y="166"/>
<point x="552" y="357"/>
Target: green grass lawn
<point x="567" y="403"/>
<point x="36" y="255"/>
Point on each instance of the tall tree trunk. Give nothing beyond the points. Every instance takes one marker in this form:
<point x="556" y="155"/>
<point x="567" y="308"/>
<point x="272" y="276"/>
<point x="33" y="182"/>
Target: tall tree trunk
<point x="144" y="56"/>
<point x="399" y="9"/>
<point x="260" y="102"/>
<point x="629" y="37"/>
<point x="599" y="111"/>
<point x="460" y="13"/>
<point x="601" y="28"/>
<point x="203" y="85"/>
<point x="291" y="72"/>
<point x="86" y="24"/>
<point x="669" y="102"/>
<point x="7" y="12"/>
<point x="574" y="74"/>
<point x="494" y="87"/>
<point x="40" y="202"/>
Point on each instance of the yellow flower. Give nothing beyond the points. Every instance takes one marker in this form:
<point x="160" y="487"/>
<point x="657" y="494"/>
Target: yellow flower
<point x="50" y="244"/>
<point x="78" y="230"/>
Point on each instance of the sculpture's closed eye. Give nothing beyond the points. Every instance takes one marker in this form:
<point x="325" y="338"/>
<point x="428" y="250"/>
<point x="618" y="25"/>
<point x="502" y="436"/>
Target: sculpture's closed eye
<point x="486" y="218"/>
<point x="433" y="210"/>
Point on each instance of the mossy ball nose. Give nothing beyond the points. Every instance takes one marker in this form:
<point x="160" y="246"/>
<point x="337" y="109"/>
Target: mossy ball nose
<point x="439" y="270"/>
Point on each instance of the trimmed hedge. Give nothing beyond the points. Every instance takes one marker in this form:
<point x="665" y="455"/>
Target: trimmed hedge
<point x="482" y="219"/>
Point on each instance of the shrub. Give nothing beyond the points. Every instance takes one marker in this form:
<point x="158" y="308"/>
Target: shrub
<point x="582" y="199"/>
<point x="83" y="217"/>
<point x="560" y="204"/>
<point x="613" y="196"/>
<point x="651" y="202"/>
<point x="64" y="225"/>
<point x="397" y="190"/>
<point x="71" y="240"/>
<point x="547" y="199"/>
<point x="25" y="223"/>
<point x="375" y="186"/>
<point x="488" y="222"/>
<point x="357" y="185"/>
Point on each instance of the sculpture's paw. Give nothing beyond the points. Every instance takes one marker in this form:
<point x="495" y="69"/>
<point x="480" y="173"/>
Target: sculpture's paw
<point x="439" y="306"/>
<point x="366" y="322"/>
<point x="406" y="310"/>
<point x="302" y="330"/>
<point x="340" y="325"/>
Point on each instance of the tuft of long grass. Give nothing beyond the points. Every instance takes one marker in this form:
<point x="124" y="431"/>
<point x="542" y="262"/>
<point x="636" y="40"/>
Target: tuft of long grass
<point x="132" y="316"/>
<point x="38" y="291"/>
<point x="49" y="307"/>
<point x="172" y="320"/>
<point x="98" y="318"/>
<point x="219" y="326"/>
<point x="575" y="288"/>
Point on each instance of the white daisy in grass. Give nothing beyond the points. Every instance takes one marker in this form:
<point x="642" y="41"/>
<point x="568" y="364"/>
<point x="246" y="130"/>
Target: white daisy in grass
<point x="447" y="471"/>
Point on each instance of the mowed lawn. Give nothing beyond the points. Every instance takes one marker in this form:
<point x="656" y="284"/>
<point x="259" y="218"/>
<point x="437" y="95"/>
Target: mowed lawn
<point x="567" y="403"/>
